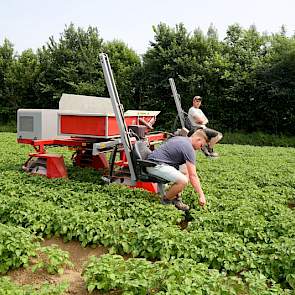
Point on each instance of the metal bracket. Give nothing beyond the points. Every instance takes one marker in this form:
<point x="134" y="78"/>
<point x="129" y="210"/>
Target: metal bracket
<point x="177" y="102"/>
<point x="119" y="112"/>
<point x="98" y="147"/>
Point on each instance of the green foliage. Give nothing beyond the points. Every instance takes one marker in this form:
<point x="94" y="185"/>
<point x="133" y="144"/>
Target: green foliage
<point x="201" y="65"/>
<point x="275" y="86"/>
<point x="6" y="61"/>
<point x="178" y="276"/>
<point x="18" y="80"/>
<point x="9" y="288"/>
<point x="246" y="80"/>
<point x="245" y="233"/>
<point x="126" y="65"/>
<point x="16" y="246"/>
<point x="177" y="54"/>
<point x="9" y="125"/>
<point x="136" y="276"/>
<point x="258" y="139"/>
<point x="71" y="65"/>
<point x="68" y="65"/>
<point x="241" y="78"/>
<point x="21" y="81"/>
<point x="51" y="259"/>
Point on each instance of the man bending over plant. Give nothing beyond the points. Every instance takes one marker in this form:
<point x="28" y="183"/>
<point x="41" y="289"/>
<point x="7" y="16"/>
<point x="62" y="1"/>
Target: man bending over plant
<point x="176" y="160"/>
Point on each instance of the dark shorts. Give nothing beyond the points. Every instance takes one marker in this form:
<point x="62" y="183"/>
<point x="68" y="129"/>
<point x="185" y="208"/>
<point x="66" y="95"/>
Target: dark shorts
<point x="210" y="132"/>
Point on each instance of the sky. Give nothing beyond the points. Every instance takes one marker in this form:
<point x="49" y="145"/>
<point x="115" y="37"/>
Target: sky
<point x="30" y="23"/>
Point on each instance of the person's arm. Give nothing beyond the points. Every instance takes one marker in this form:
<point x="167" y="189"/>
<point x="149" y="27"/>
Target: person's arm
<point x="203" y="118"/>
<point x="199" y="117"/>
<point x="195" y="181"/>
<point x="199" y="120"/>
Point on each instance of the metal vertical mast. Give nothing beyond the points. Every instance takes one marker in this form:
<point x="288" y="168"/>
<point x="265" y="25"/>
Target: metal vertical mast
<point x="177" y="102"/>
<point x="119" y="111"/>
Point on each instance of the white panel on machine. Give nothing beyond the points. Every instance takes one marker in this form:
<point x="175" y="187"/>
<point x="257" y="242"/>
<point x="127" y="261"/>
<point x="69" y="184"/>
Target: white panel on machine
<point x="82" y="104"/>
<point x="36" y="123"/>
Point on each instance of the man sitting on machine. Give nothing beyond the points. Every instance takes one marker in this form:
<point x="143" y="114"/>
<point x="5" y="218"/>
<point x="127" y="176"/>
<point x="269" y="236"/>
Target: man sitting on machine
<point x="176" y="160"/>
<point x="197" y="120"/>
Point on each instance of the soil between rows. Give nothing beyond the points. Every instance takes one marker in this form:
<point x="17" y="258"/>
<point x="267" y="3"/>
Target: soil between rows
<point x="78" y="256"/>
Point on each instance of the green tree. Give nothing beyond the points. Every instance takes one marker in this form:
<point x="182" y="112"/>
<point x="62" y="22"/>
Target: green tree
<point x="126" y="65"/>
<point x="7" y="57"/>
<point x="167" y="57"/>
<point x="21" y="81"/>
<point x="183" y="56"/>
<point x="235" y="88"/>
<point x="276" y="86"/>
<point x="71" y="65"/>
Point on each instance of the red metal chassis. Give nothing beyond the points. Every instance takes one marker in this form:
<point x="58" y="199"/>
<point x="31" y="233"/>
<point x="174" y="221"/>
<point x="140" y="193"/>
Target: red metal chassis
<point x="55" y="163"/>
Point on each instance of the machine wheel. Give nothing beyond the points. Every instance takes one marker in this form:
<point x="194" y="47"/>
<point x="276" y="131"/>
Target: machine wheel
<point x="36" y="166"/>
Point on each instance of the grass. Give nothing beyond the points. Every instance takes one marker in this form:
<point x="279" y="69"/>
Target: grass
<point x="258" y="139"/>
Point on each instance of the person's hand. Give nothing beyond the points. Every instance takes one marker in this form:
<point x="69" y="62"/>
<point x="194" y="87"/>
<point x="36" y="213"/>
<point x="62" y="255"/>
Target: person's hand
<point x="202" y="201"/>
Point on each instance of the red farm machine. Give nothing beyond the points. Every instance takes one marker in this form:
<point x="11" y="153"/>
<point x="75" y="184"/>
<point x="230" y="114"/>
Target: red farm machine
<point x="101" y="134"/>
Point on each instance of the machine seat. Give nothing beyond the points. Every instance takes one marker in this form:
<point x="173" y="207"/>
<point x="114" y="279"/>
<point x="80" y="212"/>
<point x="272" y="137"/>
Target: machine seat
<point x="139" y="154"/>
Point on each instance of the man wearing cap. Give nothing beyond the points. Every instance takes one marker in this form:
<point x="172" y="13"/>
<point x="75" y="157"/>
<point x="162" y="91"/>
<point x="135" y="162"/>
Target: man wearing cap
<point x="198" y="120"/>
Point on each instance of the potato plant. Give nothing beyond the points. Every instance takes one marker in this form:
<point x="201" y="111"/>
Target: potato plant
<point x="17" y="245"/>
<point x="51" y="259"/>
<point x="177" y="276"/>
<point x="245" y="233"/>
<point x="8" y="287"/>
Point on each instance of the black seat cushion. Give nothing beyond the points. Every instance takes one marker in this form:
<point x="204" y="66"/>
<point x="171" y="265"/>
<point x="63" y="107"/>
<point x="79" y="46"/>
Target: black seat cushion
<point x="141" y="150"/>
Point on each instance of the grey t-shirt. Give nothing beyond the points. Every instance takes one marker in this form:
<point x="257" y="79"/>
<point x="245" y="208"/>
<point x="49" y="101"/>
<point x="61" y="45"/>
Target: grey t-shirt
<point x="174" y="152"/>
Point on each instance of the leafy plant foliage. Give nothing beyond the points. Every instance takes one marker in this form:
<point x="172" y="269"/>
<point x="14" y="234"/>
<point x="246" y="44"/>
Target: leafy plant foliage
<point x="243" y="239"/>
<point x="8" y="287"/>
<point x="178" y="276"/>
<point x="52" y="259"/>
<point x="246" y="79"/>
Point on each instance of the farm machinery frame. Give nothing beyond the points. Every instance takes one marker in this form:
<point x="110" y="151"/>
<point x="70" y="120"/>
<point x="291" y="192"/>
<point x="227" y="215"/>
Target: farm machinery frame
<point x="93" y="127"/>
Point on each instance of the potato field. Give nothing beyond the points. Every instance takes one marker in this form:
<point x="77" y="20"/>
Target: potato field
<point x="242" y="242"/>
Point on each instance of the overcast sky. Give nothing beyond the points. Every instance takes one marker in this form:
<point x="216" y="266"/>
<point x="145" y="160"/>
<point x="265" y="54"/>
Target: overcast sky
<point x="30" y="23"/>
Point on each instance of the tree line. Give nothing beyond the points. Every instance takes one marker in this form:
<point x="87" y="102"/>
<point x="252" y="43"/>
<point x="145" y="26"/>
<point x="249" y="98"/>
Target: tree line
<point x="247" y="80"/>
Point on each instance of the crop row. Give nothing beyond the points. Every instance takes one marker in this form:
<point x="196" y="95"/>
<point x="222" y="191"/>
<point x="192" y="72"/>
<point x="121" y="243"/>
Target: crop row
<point x="255" y="224"/>
<point x="178" y="276"/>
<point x="10" y="288"/>
<point x="220" y="250"/>
<point x="119" y="202"/>
<point x="245" y="227"/>
<point x="16" y="246"/>
<point x="262" y="220"/>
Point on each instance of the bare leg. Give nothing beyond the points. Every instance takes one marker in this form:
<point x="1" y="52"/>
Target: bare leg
<point x="174" y="190"/>
<point x="177" y="187"/>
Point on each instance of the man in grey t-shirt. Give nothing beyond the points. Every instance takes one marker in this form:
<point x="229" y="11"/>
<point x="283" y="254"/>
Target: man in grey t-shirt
<point x="176" y="163"/>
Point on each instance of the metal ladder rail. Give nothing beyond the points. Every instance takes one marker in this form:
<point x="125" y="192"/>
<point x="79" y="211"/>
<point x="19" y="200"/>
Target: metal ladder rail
<point x="119" y="112"/>
<point x="177" y="102"/>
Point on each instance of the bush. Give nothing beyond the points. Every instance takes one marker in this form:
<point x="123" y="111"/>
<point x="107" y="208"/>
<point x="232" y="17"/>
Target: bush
<point x="8" y="127"/>
<point x="258" y="139"/>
